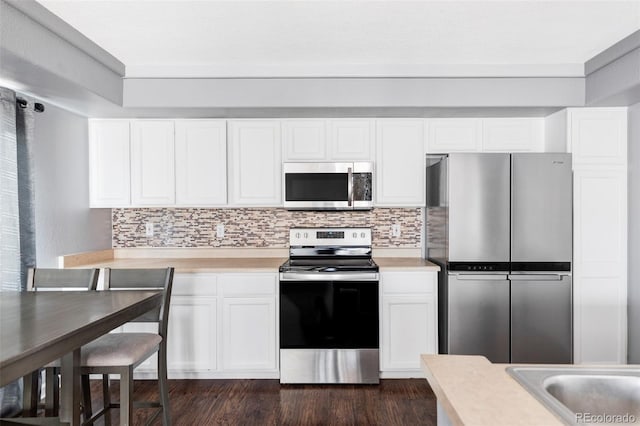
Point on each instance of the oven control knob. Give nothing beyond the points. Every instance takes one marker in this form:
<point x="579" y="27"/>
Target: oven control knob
<point x="297" y="235"/>
<point x="355" y="235"/>
<point x="362" y="235"/>
<point x="306" y="235"/>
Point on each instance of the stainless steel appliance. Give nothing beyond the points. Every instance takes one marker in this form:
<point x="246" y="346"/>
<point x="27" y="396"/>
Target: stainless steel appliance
<point x="500" y="227"/>
<point x="329" y="330"/>
<point x="328" y="186"/>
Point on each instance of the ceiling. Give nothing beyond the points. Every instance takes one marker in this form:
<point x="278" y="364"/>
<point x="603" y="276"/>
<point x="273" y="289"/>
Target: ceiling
<point x="213" y="38"/>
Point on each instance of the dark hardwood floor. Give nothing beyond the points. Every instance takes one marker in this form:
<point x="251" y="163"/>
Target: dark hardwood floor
<point x="266" y="402"/>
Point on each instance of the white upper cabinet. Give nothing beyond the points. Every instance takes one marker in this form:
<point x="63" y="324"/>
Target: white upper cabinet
<point x="255" y="161"/>
<point x="351" y="139"/>
<point x="110" y="184"/>
<point x="485" y="134"/>
<point x="513" y="134"/>
<point x="400" y="168"/>
<point x="304" y="139"/>
<point x="598" y="135"/>
<point x="152" y="163"/>
<point x="328" y="140"/>
<point x="201" y="162"/>
<point x="453" y="134"/>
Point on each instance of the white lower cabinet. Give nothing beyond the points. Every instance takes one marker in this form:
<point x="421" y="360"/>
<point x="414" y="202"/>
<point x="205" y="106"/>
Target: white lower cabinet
<point x="408" y="321"/>
<point x="192" y="335"/>
<point x="249" y="334"/>
<point x="221" y="325"/>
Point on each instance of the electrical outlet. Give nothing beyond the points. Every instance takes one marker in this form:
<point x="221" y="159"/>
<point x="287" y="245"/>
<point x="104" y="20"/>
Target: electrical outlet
<point x="148" y="229"/>
<point x="220" y="231"/>
<point x="395" y="230"/>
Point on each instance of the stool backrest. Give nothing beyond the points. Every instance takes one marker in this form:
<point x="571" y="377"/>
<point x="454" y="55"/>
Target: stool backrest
<point x="145" y="279"/>
<point x="62" y="279"/>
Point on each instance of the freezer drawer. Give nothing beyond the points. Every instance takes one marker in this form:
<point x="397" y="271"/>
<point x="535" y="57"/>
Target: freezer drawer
<point x="478" y="316"/>
<point x="541" y="319"/>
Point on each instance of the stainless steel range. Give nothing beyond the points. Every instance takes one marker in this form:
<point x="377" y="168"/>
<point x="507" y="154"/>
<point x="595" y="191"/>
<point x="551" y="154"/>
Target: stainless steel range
<point x="329" y="330"/>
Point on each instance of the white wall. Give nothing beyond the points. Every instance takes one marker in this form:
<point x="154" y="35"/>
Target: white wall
<point x="64" y="222"/>
<point x="634" y="234"/>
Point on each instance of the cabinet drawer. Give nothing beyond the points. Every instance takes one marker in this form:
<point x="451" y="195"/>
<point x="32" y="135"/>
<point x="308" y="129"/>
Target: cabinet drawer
<point x="195" y="285"/>
<point x="408" y="282"/>
<point x="248" y="284"/>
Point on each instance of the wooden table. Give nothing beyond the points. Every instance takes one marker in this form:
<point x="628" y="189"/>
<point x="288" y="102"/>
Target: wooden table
<point x="39" y="327"/>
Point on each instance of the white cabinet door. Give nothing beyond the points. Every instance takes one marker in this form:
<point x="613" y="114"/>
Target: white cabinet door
<point x="407" y="331"/>
<point x="304" y="140"/>
<point x="453" y="135"/>
<point x="249" y="334"/>
<point x="598" y="135"/>
<point x="192" y="335"/>
<point x="351" y="139"/>
<point x="400" y="168"/>
<point x="600" y="266"/>
<point x="255" y="162"/>
<point x="201" y="162"/>
<point x="152" y="163"/>
<point x="513" y="134"/>
<point x="110" y="181"/>
<point x="408" y="319"/>
<point x="597" y="138"/>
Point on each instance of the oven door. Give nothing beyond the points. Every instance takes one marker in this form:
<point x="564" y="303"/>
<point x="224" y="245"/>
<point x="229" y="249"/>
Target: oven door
<point x="329" y="315"/>
<point x="329" y="332"/>
<point x="320" y="186"/>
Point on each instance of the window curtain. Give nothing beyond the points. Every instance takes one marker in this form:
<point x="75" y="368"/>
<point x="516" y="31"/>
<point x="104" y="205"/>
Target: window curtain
<point x="17" y="217"/>
<point x="17" y="221"/>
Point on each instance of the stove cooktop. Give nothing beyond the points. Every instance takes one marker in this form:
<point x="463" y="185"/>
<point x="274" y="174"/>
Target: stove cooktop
<point x="329" y="265"/>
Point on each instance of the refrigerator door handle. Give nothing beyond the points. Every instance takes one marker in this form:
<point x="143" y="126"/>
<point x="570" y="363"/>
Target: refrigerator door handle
<point x="537" y="277"/>
<point x="481" y="277"/>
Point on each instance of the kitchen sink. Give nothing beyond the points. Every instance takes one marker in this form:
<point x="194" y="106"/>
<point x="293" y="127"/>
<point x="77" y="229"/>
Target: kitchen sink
<point x="584" y="395"/>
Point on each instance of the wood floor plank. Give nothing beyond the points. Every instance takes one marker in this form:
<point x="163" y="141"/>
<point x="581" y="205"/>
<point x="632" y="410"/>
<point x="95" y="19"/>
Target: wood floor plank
<point x="266" y="402"/>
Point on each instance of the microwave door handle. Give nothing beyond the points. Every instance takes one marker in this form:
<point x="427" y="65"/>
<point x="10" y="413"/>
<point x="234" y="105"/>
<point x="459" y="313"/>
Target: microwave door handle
<point x="350" y="189"/>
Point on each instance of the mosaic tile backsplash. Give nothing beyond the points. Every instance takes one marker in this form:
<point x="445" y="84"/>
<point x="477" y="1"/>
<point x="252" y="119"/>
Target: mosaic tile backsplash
<point x="259" y="227"/>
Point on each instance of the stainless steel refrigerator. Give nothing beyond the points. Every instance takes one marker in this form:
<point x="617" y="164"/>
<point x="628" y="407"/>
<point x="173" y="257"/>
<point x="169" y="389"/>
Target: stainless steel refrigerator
<point x="500" y="227"/>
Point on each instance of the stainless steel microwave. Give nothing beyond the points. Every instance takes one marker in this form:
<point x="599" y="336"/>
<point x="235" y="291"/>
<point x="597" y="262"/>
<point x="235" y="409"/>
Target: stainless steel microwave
<point x="328" y="186"/>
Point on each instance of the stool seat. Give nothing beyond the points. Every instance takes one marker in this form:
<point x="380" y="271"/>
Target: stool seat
<point x="119" y="349"/>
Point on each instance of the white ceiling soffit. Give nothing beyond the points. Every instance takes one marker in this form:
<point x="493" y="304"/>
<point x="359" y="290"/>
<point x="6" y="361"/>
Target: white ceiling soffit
<point x="219" y="39"/>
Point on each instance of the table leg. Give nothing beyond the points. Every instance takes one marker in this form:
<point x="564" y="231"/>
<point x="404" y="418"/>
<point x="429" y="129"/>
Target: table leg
<point x="70" y="395"/>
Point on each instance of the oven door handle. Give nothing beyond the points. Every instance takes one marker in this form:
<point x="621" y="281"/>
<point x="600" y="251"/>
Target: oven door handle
<point x="328" y="276"/>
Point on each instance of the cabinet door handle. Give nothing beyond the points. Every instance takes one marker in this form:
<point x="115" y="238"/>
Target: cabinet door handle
<point x="350" y="189"/>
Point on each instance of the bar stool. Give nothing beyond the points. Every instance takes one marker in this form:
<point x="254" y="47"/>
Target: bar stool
<point x="50" y="279"/>
<point x="121" y="353"/>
